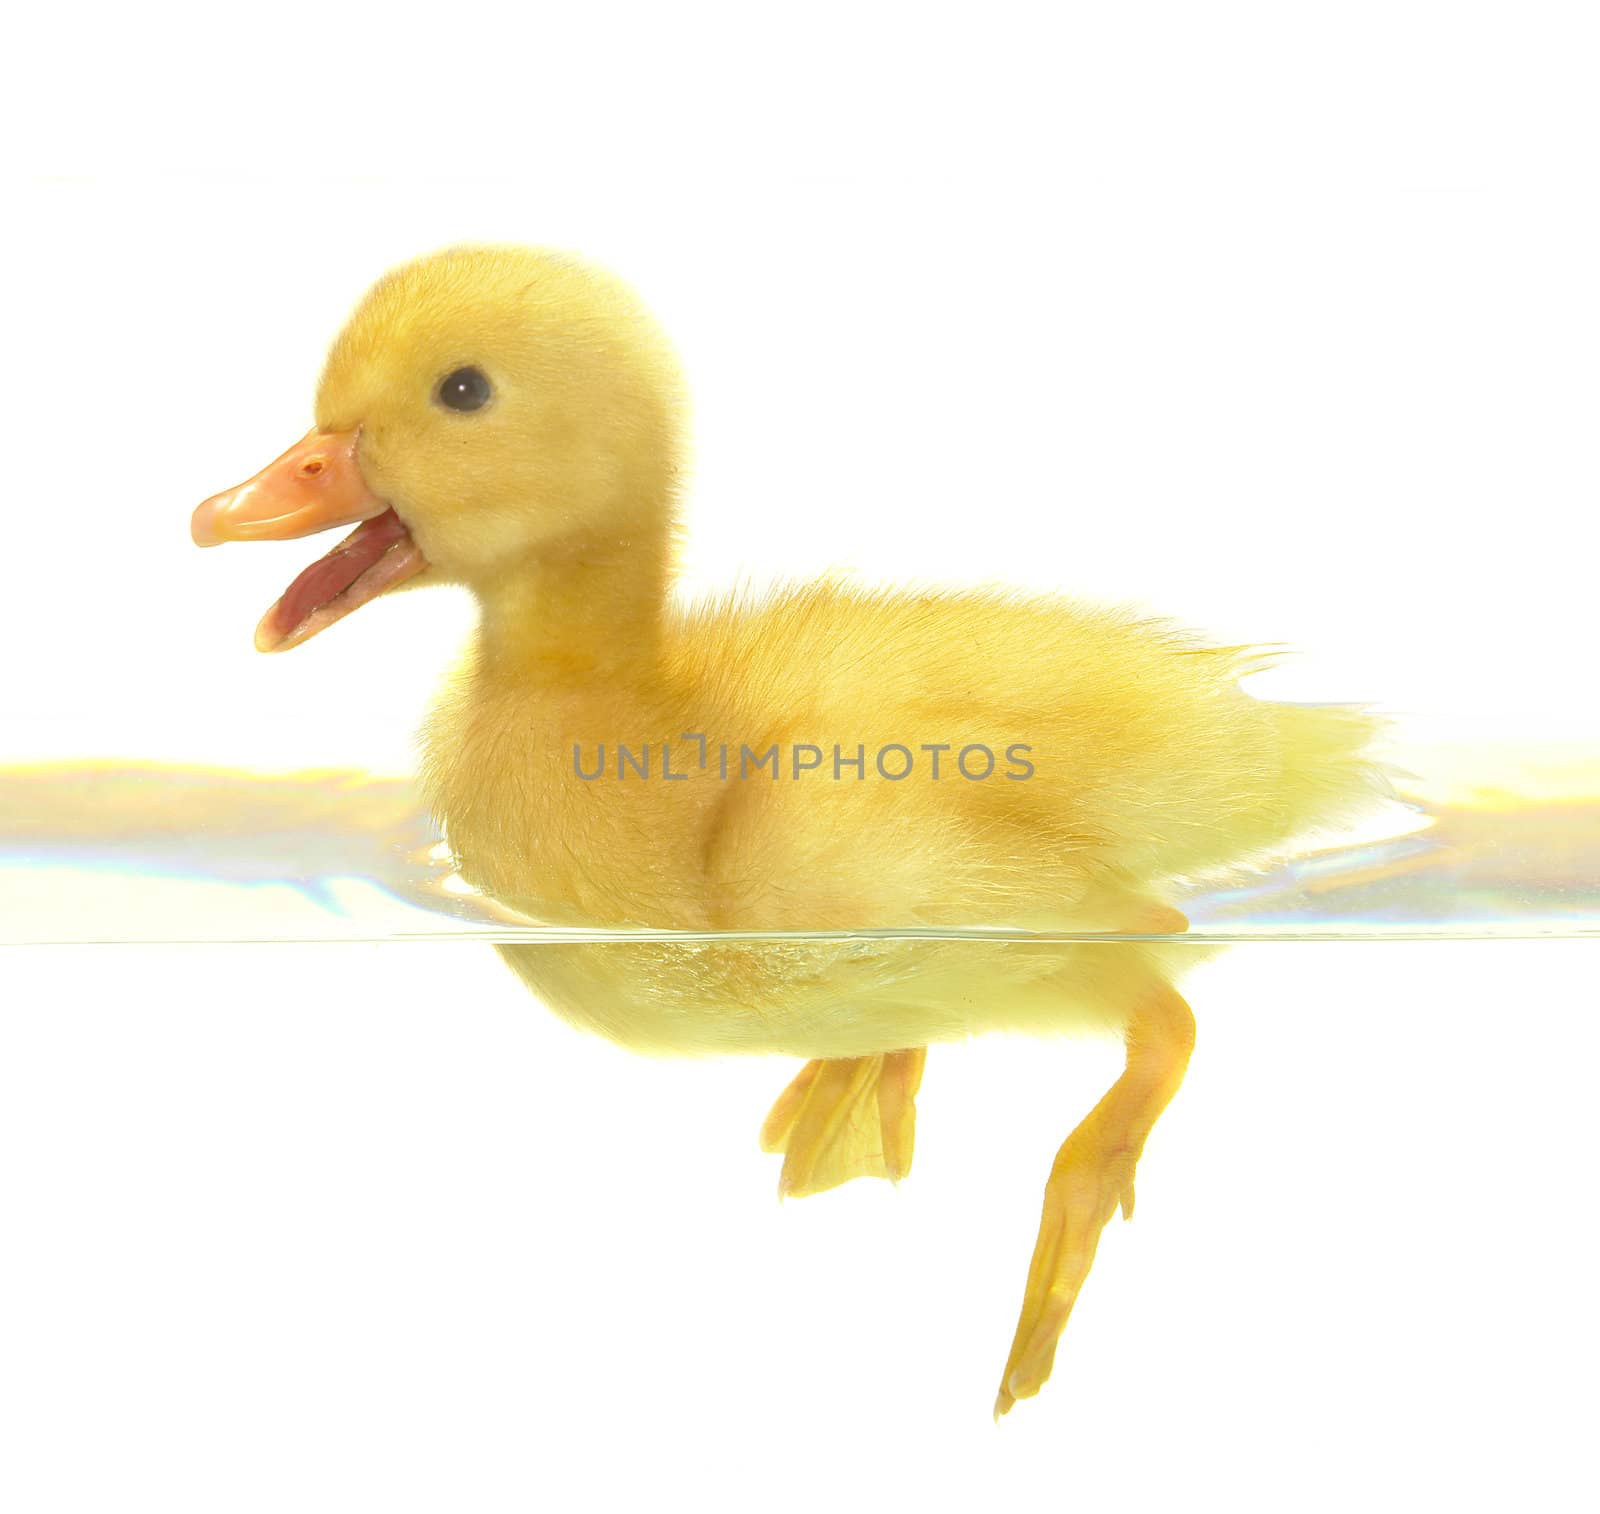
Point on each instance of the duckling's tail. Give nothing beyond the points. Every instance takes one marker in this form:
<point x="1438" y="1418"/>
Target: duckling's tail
<point x="1330" y="770"/>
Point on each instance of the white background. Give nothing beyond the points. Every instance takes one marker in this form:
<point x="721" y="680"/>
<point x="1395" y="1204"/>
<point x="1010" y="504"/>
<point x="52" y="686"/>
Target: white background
<point x="1282" y="323"/>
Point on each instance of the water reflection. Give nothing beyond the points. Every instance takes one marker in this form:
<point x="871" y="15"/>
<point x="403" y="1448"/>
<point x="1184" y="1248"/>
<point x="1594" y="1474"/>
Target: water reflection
<point x="1496" y="843"/>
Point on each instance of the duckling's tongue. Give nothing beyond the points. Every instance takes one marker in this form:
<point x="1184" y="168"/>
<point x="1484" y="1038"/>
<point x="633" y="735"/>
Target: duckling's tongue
<point x="376" y="556"/>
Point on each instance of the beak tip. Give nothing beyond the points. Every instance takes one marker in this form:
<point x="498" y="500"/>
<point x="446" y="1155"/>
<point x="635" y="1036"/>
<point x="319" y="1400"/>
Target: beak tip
<point x="203" y="525"/>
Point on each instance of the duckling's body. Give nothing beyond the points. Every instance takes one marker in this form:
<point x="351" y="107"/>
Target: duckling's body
<point x="1082" y="719"/>
<point x="821" y="758"/>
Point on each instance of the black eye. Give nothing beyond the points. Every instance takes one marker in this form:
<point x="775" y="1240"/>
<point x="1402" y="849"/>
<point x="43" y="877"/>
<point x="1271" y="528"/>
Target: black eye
<point x="465" y="389"/>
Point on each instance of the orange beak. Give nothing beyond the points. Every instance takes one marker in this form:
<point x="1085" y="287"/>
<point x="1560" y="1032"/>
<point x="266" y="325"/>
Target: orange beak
<point x="316" y="485"/>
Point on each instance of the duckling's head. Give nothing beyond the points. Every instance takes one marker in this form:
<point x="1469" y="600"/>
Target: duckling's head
<point x="486" y="413"/>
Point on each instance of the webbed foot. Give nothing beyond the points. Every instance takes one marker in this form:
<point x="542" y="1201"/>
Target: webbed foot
<point x="843" y="1118"/>
<point x="1092" y="1177"/>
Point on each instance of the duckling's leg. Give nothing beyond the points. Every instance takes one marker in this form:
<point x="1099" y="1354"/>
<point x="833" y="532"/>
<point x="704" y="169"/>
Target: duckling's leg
<point x="843" y="1118"/>
<point x="1093" y="1174"/>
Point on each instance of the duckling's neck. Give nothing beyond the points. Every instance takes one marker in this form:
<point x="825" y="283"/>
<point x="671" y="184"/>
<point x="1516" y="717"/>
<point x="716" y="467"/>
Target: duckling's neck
<point x="583" y="607"/>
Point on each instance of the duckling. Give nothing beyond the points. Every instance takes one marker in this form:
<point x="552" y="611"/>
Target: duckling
<point x="823" y="757"/>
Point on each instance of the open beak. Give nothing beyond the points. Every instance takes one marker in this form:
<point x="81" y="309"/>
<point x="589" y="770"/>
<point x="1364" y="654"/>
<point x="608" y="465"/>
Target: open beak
<point x="315" y="486"/>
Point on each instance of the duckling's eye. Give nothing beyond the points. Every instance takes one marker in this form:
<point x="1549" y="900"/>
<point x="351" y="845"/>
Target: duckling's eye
<point x="465" y="389"/>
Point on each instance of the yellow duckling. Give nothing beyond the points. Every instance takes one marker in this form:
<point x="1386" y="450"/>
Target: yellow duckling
<point x="821" y="758"/>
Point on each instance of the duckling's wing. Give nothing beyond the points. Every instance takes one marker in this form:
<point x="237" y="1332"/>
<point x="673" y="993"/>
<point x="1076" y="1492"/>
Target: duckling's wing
<point x="1109" y="753"/>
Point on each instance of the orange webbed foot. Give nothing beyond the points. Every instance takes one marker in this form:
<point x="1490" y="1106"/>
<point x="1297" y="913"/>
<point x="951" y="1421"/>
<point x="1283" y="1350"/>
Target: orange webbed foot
<point x="1092" y="1177"/>
<point x="843" y="1118"/>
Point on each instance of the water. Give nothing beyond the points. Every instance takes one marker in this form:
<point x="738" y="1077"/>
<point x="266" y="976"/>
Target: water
<point x="1497" y="835"/>
<point x="337" y="1190"/>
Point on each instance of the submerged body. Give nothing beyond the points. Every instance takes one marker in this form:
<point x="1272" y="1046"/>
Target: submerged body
<point x="1109" y="756"/>
<point x="822" y="758"/>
